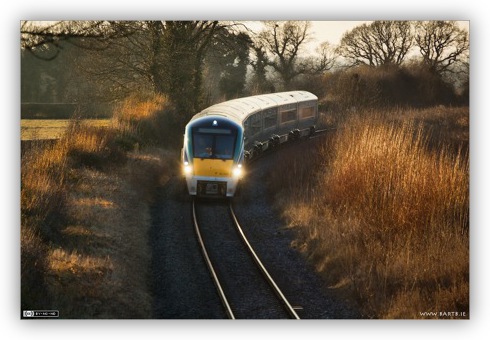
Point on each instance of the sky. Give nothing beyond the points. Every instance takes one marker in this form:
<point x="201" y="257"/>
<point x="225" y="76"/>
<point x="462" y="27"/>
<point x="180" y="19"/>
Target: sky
<point x="332" y="31"/>
<point x="320" y="31"/>
<point x="326" y="30"/>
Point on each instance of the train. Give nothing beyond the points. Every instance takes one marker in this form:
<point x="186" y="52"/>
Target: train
<point x="219" y="140"/>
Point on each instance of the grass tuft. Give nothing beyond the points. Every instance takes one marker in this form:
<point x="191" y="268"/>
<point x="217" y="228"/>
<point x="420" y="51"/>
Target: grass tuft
<point x="85" y="217"/>
<point x="385" y="215"/>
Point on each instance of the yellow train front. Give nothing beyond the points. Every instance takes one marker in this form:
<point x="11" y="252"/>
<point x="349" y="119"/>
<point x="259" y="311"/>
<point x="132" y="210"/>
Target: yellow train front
<point x="212" y="156"/>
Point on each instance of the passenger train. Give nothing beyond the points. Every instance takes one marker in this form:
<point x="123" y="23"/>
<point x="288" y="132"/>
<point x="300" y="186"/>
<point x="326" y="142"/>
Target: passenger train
<point x="219" y="139"/>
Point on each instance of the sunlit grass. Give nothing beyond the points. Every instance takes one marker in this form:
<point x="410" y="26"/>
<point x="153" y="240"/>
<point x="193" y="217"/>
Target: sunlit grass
<point x="385" y="212"/>
<point x="85" y="216"/>
<point x="34" y="129"/>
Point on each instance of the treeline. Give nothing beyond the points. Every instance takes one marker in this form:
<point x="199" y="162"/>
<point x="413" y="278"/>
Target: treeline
<point x="64" y="110"/>
<point x="387" y="86"/>
<point x="198" y="63"/>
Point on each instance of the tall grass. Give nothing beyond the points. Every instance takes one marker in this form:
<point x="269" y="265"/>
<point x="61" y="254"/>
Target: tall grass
<point x="42" y="201"/>
<point x="84" y="219"/>
<point x="385" y="217"/>
<point x="144" y="121"/>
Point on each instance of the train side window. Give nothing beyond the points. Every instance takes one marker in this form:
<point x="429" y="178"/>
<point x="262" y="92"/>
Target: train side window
<point x="255" y="123"/>
<point x="246" y="124"/>
<point x="306" y="112"/>
<point x="288" y="115"/>
<point x="270" y="118"/>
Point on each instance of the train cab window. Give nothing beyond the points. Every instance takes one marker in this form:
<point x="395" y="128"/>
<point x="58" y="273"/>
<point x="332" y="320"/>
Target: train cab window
<point x="214" y="143"/>
<point x="203" y="145"/>
<point x="224" y="147"/>
<point x="288" y="116"/>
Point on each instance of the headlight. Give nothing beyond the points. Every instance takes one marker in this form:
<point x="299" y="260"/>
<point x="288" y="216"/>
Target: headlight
<point x="187" y="168"/>
<point x="237" y="171"/>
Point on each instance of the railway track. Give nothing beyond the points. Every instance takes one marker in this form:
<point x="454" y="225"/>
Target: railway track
<point x="245" y="287"/>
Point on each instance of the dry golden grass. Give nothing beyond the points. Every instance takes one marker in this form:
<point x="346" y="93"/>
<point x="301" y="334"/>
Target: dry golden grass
<point x="102" y="269"/>
<point x="85" y="219"/>
<point x="385" y="216"/>
<point x="40" y="129"/>
<point x="135" y="109"/>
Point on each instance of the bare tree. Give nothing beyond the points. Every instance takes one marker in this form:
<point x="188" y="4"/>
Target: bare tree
<point x="123" y="57"/>
<point x="378" y="43"/>
<point x="282" y="41"/>
<point x="327" y="57"/>
<point x="442" y="45"/>
<point x="45" y="38"/>
<point x="122" y="68"/>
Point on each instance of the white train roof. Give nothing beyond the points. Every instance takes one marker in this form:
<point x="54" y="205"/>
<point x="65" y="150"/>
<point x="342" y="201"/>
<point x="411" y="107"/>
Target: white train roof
<point x="239" y="109"/>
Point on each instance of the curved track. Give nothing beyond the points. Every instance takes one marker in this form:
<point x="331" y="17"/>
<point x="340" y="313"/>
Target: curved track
<point x="212" y="271"/>
<point x="251" y="296"/>
<point x="181" y="285"/>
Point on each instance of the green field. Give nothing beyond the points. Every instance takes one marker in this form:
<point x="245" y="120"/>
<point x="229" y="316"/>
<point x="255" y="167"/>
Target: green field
<point x="33" y="129"/>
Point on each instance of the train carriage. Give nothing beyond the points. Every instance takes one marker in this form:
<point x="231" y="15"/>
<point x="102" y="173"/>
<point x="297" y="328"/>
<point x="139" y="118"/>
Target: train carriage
<point x="217" y="139"/>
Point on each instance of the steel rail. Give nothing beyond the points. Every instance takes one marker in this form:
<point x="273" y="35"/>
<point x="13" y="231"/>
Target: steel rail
<point x="221" y="293"/>
<point x="268" y="277"/>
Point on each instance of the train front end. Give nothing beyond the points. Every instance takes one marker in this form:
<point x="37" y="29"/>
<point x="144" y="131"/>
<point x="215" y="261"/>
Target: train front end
<point x="212" y="156"/>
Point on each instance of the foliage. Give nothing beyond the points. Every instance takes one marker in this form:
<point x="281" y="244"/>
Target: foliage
<point x="381" y="215"/>
<point x="225" y="67"/>
<point x="259" y="83"/>
<point x="81" y="196"/>
<point x="198" y="63"/>
<point x="147" y="120"/>
<point x="234" y="66"/>
<point x="412" y="85"/>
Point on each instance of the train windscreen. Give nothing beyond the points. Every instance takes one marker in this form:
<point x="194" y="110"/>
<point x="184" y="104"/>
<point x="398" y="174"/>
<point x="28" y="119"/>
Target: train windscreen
<point x="214" y="143"/>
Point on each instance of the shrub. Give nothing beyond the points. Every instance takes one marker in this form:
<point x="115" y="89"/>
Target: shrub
<point x="76" y="215"/>
<point x="388" y="86"/>
<point x="148" y="121"/>
<point x="385" y="217"/>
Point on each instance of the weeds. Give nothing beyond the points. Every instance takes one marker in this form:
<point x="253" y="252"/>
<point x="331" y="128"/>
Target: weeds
<point x="381" y="209"/>
<point x="84" y="220"/>
<point x="386" y="216"/>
